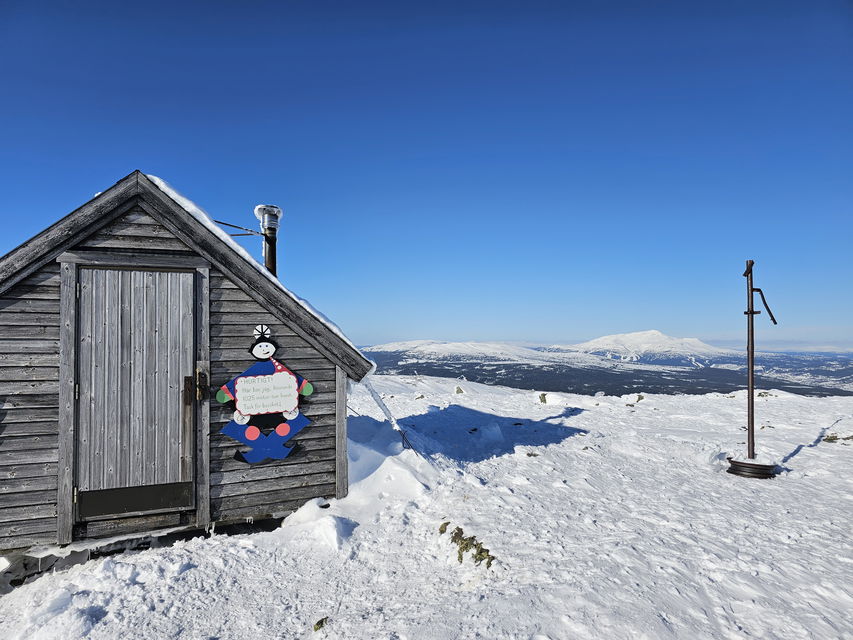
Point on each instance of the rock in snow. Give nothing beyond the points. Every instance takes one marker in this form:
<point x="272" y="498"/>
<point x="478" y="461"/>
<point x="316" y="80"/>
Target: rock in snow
<point x="607" y="518"/>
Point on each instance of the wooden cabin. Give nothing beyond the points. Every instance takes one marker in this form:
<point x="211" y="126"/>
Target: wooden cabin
<point x="119" y="326"/>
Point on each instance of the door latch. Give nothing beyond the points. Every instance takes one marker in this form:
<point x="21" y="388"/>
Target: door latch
<point x="188" y="390"/>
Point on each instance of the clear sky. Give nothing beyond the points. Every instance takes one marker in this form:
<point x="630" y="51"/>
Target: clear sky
<point x="540" y="171"/>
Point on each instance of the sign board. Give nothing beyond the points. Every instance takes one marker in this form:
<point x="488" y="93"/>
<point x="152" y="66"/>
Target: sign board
<point x="274" y="393"/>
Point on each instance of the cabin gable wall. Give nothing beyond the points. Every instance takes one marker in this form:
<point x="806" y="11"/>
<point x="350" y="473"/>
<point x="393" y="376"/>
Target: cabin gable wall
<point x="29" y="397"/>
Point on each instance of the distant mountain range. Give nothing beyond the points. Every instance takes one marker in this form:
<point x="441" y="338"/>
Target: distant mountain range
<point x="624" y="363"/>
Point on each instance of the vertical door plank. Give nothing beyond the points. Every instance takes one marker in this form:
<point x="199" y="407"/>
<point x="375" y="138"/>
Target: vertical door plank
<point x="95" y="454"/>
<point x="109" y="426"/>
<point x="149" y="405"/>
<point x="84" y="379"/>
<point x="163" y="313"/>
<point x="187" y="362"/>
<point x="137" y="389"/>
<point x="172" y="425"/>
<point x="154" y="453"/>
<point x="202" y="363"/>
<point x="125" y="384"/>
<point x="67" y="344"/>
<point x="178" y="376"/>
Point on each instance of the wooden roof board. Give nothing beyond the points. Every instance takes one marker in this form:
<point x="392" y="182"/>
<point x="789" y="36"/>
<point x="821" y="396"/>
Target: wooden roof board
<point x="137" y="190"/>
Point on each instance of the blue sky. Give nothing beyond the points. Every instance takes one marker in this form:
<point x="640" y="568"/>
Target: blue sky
<point x="542" y="171"/>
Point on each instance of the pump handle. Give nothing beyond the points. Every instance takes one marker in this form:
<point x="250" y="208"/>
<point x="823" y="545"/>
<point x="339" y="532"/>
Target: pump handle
<point x="764" y="302"/>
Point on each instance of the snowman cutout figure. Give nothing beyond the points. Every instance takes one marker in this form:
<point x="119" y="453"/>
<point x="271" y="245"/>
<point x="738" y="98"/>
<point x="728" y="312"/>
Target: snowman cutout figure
<point x="265" y="398"/>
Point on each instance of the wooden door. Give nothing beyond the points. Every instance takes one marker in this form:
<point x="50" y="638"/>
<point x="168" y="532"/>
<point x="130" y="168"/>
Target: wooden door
<point x="135" y="360"/>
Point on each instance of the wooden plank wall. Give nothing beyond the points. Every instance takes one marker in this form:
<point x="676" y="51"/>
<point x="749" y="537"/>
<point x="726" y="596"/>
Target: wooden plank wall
<point x="29" y="409"/>
<point x="136" y="230"/>
<point x="239" y="490"/>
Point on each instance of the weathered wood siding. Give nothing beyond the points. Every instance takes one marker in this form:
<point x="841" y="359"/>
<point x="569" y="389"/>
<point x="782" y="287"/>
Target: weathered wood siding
<point x="134" y="349"/>
<point x="239" y="490"/>
<point x="29" y="382"/>
<point x="29" y="406"/>
<point x="138" y="231"/>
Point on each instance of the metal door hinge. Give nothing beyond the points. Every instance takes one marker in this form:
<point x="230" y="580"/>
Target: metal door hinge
<point x="75" y="495"/>
<point x="76" y="391"/>
<point x="77" y="289"/>
<point x="200" y="384"/>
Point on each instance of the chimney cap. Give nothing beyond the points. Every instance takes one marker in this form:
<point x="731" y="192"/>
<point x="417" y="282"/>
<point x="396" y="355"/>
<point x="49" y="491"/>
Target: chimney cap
<point x="269" y="215"/>
<point x="267" y="209"/>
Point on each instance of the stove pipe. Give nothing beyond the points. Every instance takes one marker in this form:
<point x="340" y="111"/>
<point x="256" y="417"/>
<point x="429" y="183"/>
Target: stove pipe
<point x="269" y="216"/>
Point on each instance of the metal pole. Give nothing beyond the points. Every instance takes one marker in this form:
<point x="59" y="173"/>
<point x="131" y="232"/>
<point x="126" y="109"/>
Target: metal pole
<point x="750" y="362"/>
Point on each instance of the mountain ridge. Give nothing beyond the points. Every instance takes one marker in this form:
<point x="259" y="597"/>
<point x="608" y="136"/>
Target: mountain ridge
<point x="639" y="361"/>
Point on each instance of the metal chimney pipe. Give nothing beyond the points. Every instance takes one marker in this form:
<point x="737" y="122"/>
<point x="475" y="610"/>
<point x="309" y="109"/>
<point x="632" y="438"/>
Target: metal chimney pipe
<point x="269" y="216"/>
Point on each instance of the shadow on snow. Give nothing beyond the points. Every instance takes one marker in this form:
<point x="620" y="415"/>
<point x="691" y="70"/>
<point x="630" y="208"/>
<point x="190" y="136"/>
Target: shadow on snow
<point x="463" y="434"/>
<point x="817" y="441"/>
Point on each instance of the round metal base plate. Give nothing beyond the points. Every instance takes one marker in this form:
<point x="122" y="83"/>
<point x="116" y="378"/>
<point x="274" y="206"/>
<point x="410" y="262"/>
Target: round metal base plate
<point x="751" y="469"/>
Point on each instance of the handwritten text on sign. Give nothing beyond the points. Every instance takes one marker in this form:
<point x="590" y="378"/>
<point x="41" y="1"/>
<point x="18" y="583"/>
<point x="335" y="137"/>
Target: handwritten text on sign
<point x="266" y="394"/>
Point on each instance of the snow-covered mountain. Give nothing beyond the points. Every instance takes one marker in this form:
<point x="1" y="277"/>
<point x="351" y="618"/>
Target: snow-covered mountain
<point x="651" y="346"/>
<point x="640" y="361"/>
<point x="415" y="351"/>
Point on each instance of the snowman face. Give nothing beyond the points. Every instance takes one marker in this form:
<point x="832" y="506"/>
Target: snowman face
<point x="263" y="350"/>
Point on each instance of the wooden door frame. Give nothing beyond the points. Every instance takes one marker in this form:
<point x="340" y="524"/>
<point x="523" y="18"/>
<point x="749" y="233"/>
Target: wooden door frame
<point x="70" y="262"/>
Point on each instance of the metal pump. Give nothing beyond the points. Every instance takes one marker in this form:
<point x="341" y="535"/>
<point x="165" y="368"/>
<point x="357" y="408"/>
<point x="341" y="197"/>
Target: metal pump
<point x="752" y="469"/>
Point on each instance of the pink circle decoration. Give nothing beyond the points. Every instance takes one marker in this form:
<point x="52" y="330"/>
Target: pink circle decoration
<point x="252" y="432"/>
<point x="283" y="429"/>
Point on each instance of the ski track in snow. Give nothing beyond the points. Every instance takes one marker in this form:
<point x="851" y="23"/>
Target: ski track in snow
<point x="621" y="524"/>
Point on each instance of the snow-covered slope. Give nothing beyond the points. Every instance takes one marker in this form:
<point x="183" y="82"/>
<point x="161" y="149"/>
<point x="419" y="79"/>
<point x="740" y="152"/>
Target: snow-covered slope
<point x="608" y="517"/>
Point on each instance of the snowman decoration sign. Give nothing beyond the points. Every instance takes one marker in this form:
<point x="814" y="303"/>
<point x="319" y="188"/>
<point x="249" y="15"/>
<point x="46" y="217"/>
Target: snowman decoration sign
<point x="265" y="398"/>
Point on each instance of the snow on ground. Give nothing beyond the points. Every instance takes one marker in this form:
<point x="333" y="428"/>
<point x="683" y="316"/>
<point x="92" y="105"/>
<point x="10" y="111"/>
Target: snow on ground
<point x="609" y="517"/>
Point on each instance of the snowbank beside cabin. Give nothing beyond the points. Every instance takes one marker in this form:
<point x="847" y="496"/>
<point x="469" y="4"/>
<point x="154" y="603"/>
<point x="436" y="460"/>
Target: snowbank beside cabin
<point x="607" y="517"/>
